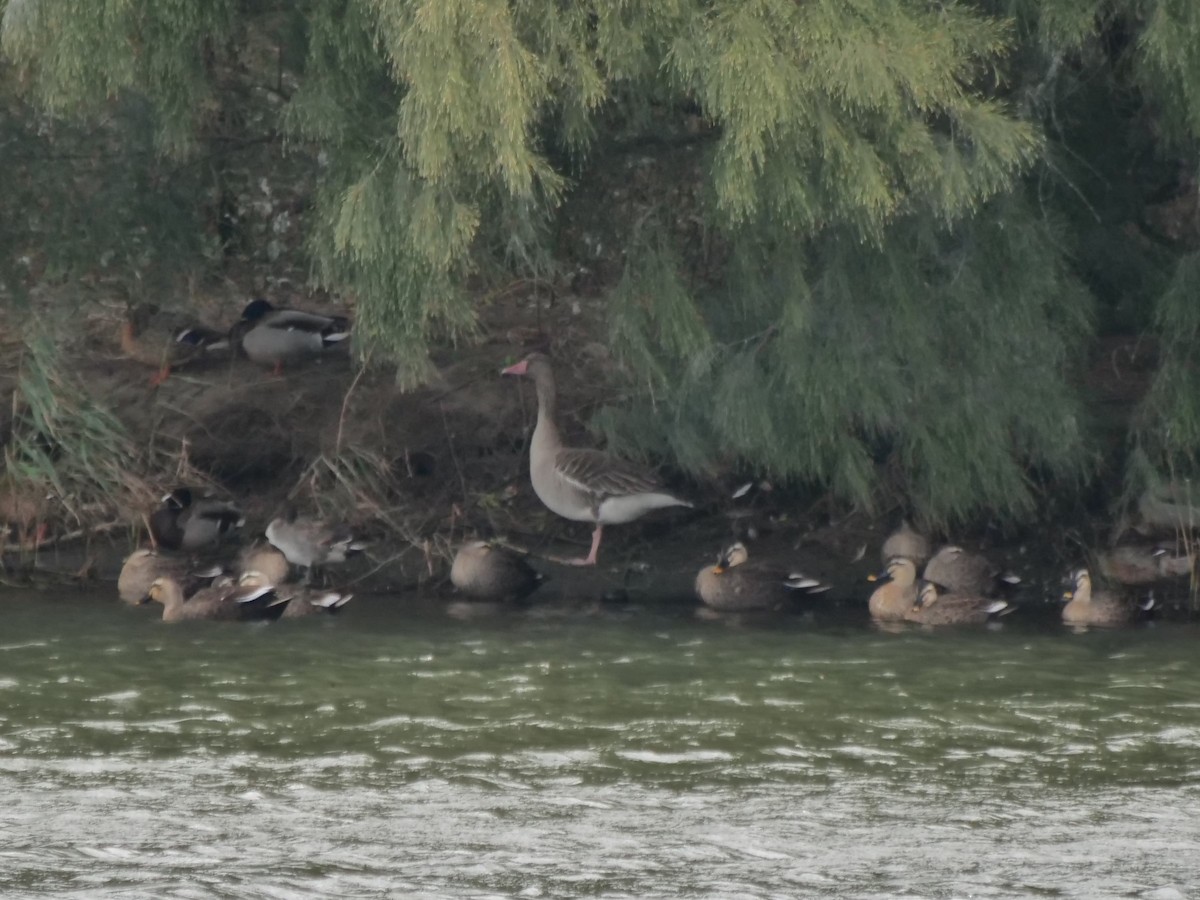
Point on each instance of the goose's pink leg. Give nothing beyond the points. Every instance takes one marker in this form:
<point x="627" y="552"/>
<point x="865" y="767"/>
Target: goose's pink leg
<point x="591" y="557"/>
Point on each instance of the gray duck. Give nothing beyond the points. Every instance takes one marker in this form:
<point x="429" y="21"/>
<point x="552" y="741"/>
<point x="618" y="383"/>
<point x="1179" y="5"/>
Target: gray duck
<point x="277" y="337"/>
<point x="189" y="524"/>
<point x="309" y="542"/>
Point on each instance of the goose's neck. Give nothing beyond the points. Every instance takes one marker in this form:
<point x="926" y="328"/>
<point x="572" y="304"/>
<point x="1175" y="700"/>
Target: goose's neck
<point x="545" y="433"/>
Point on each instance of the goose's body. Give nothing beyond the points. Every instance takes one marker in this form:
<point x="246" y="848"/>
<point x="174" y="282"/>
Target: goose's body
<point x="309" y="542"/>
<point x="278" y="337"/>
<point x="302" y="601"/>
<point x="184" y="523"/>
<point x="1144" y="564"/>
<point x="893" y="599"/>
<point x="167" y="340"/>
<point x="907" y="542"/>
<point x="484" y="571"/>
<point x="143" y="567"/>
<point x="738" y="583"/>
<point x="226" y="602"/>
<point x="934" y="607"/>
<point x="583" y="485"/>
<point x="1087" y="605"/>
<point x="958" y="571"/>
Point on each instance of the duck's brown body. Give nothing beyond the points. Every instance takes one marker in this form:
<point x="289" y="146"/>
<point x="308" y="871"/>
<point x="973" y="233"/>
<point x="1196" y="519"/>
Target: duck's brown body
<point x="1144" y="564"/>
<point x="893" y="599"/>
<point x="936" y="608"/>
<point x="737" y="583"/>
<point x="485" y="571"/>
<point x="958" y="571"/>
<point x="1087" y="605"/>
<point x="225" y="602"/>
<point x="906" y="542"/>
<point x="143" y="567"/>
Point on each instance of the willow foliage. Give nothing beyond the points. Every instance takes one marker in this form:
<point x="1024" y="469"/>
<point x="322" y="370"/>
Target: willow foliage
<point x="894" y="192"/>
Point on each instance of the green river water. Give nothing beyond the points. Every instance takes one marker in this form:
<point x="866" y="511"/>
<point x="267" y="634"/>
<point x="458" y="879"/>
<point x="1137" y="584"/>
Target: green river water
<point x="630" y="753"/>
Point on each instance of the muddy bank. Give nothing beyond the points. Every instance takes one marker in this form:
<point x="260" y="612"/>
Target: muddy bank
<point x="417" y="472"/>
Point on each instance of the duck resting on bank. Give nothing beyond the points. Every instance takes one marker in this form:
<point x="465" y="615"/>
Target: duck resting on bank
<point x="959" y="571"/>
<point x="905" y="541"/>
<point x="579" y="484"/>
<point x="184" y="523"/>
<point x="275" y="337"/>
<point x="309" y="542"/>
<point x="487" y="571"/>
<point x="167" y="340"/>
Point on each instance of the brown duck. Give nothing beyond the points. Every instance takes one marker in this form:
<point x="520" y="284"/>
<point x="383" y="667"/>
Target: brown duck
<point x="934" y="607"/>
<point x="143" y="567"/>
<point x="737" y="583"/>
<point x="485" y="571"/>
<point x="1088" y="606"/>
<point x="302" y="601"/>
<point x="1144" y="564"/>
<point x="580" y="484"/>
<point x="907" y="542"/>
<point x="227" y="601"/>
<point x="893" y="599"/>
<point x="960" y="572"/>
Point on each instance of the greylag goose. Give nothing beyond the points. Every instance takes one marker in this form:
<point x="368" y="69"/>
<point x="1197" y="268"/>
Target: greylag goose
<point x="936" y="608"/>
<point x="303" y="601"/>
<point x="273" y="337"/>
<point x="143" y="567"/>
<point x="223" y="602"/>
<point x="310" y="542"/>
<point x="960" y="572"/>
<point x="583" y="485"/>
<point x="182" y="523"/>
<point x="891" y="600"/>
<point x="1088" y="606"/>
<point x="907" y="542"/>
<point x="484" y="571"/>
<point x="736" y="583"/>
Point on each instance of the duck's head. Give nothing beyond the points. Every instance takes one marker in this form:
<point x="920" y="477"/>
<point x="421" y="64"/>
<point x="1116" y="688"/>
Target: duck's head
<point x="178" y="499"/>
<point x="732" y="556"/>
<point x="1081" y="586"/>
<point x="160" y="591"/>
<point x="900" y="569"/>
<point x="927" y="597"/>
<point x="253" y="578"/>
<point x="256" y="309"/>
